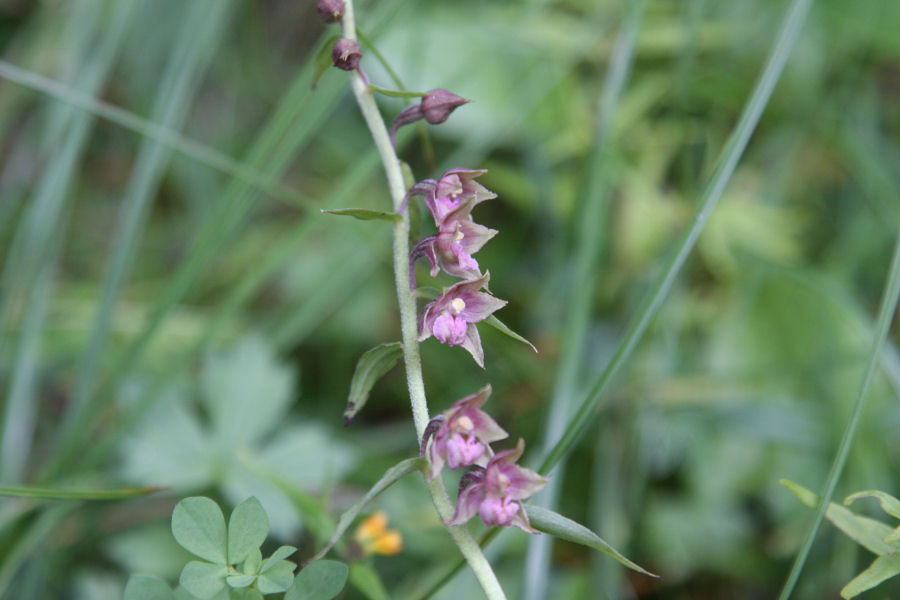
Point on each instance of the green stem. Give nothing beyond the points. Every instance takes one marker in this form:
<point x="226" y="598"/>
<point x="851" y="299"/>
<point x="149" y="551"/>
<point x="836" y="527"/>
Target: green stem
<point x="408" y="323"/>
<point x="885" y="316"/>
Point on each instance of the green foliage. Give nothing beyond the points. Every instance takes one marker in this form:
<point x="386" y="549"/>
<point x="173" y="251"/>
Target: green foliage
<point x="372" y="366"/>
<point x="246" y="444"/>
<point x="144" y="587"/>
<point x="564" y="528"/>
<point x="365" y="214"/>
<point x="321" y="580"/>
<point x="873" y="535"/>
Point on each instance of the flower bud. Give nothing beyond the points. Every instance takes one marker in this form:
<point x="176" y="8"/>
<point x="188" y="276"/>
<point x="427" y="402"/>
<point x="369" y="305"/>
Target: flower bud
<point x="346" y="54"/>
<point x="438" y="104"/>
<point x="330" y="10"/>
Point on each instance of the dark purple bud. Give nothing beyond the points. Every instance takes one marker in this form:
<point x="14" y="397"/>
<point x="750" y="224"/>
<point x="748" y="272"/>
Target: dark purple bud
<point x="346" y="54"/>
<point x="330" y="10"/>
<point x="438" y="104"/>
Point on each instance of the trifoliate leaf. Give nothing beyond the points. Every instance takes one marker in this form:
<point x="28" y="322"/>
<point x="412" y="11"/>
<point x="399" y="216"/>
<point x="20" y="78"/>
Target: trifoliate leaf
<point x="199" y="525"/>
<point x="372" y="366"/>
<point x="248" y="527"/>
<point x="280" y="554"/>
<point x="203" y="579"/>
<point x="320" y="580"/>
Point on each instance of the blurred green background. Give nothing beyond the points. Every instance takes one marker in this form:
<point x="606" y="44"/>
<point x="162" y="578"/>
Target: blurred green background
<point x="176" y="311"/>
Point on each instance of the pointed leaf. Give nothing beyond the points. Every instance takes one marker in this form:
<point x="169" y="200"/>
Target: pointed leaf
<point x="320" y="580"/>
<point x="145" y="587"/>
<point x="365" y="214"/>
<point x="371" y="367"/>
<point x="280" y="554"/>
<point x="894" y="537"/>
<point x="882" y="568"/>
<point x="366" y="579"/>
<point x="199" y="526"/>
<point x="502" y="328"/>
<point x="248" y="527"/>
<point x="863" y="530"/>
<point x="889" y="504"/>
<point x="203" y="579"/>
<point x="404" y="467"/>
<point x="323" y="59"/>
<point x="559" y="526"/>
<point x="278" y="577"/>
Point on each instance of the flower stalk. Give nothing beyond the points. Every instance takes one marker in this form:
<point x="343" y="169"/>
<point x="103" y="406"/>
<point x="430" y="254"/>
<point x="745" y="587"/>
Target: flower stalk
<point x="408" y="322"/>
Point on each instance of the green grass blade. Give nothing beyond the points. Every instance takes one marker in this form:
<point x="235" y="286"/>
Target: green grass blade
<point x="589" y="246"/>
<point x="75" y="493"/>
<point x="885" y="317"/>
<point x="202" y="28"/>
<point x="731" y="154"/>
<point x="148" y="128"/>
<point x="38" y="241"/>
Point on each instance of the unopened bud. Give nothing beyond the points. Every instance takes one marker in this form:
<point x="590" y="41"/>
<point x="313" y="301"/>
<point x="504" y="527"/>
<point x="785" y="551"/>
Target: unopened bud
<point x="330" y="10"/>
<point x="438" y="104"/>
<point x="346" y="54"/>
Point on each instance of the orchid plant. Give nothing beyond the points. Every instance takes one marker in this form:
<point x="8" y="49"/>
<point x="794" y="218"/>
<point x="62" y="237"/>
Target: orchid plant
<point x="494" y="486"/>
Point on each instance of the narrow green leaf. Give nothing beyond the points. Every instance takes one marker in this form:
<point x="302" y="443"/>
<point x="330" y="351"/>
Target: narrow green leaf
<point x="882" y="568"/>
<point x="889" y="504"/>
<point x="282" y="553"/>
<point x="323" y="60"/>
<point x="398" y="471"/>
<point x="366" y="579"/>
<point x="145" y="587"/>
<point x="371" y="367"/>
<point x="248" y="527"/>
<point x="199" y="526"/>
<point x="276" y="578"/>
<point x="397" y="93"/>
<point x="505" y="330"/>
<point x="75" y="493"/>
<point x="320" y="580"/>
<point x="564" y="528"/>
<point x="240" y="581"/>
<point x="894" y="537"/>
<point x="203" y="579"/>
<point x="365" y="214"/>
<point x="867" y="532"/>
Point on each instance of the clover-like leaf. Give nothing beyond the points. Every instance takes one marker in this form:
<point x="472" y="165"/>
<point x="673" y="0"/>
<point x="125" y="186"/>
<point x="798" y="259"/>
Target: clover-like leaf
<point x="276" y="578"/>
<point x="145" y="587"/>
<point x="199" y="526"/>
<point x="202" y="579"/>
<point x="280" y="554"/>
<point x="248" y="527"/>
<point x="320" y="580"/>
<point x="252" y="563"/>
<point x="240" y="581"/>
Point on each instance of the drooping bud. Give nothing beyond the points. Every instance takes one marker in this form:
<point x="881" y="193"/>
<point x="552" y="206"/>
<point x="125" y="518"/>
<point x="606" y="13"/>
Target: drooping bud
<point x="438" y="104"/>
<point x="346" y="54"/>
<point x="331" y="11"/>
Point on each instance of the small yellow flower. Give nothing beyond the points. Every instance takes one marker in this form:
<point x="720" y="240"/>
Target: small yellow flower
<point x="375" y="538"/>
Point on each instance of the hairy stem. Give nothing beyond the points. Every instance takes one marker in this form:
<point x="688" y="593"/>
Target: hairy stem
<point x="408" y="326"/>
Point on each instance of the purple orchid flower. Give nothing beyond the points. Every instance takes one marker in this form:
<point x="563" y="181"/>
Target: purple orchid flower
<point x="455" y="194"/>
<point x="495" y="492"/>
<point x="462" y="434"/>
<point x="452" y="316"/>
